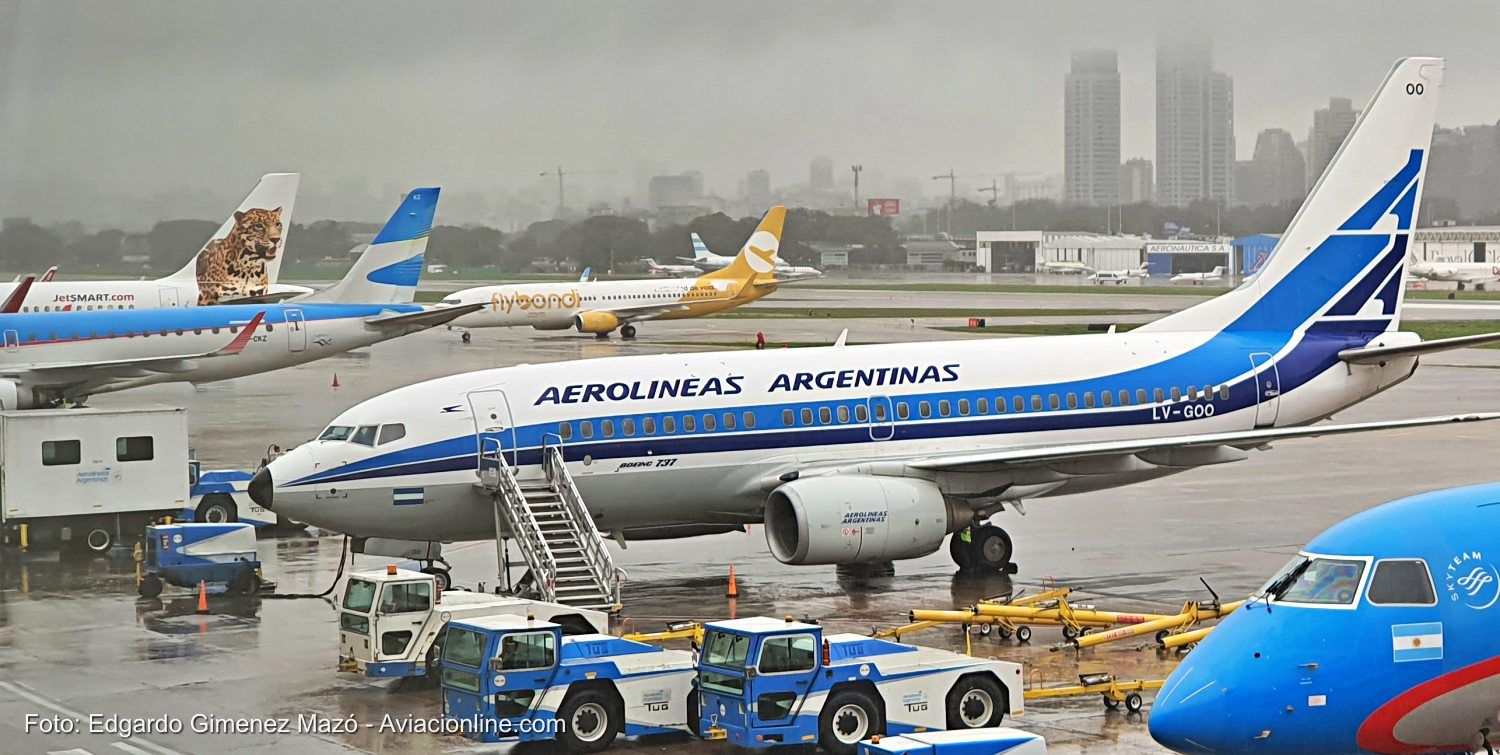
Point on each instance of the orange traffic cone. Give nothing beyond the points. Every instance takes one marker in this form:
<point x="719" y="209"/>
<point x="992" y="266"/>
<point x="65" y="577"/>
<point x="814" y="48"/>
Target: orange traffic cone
<point x="335" y="381"/>
<point x="734" y="587"/>
<point x="202" y="597"/>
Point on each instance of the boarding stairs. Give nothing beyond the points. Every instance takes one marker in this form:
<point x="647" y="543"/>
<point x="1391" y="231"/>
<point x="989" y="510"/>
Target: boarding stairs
<point x="550" y="525"/>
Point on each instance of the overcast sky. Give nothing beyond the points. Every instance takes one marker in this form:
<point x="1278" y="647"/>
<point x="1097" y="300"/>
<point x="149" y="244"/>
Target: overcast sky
<point x="148" y="98"/>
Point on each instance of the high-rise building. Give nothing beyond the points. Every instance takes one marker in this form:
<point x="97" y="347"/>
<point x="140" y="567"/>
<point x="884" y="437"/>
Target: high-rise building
<point x="758" y="188"/>
<point x="1091" y="129"/>
<point x="1275" y="174"/>
<point x="1330" y="126"/>
<point x="674" y="191"/>
<point x="820" y="174"/>
<point x="1194" y="124"/>
<point x="1137" y="181"/>
<point x="1464" y="169"/>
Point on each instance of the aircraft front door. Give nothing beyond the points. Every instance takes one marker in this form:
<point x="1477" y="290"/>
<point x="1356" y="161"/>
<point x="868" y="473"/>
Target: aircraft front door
<point x="1267" y="389"/>
<point x="169" y="297"/>
<point x="494" y="436"/>
<point x="12" y="340"/>
<point x="882" y="417"/>
<point x="296" y="330"/>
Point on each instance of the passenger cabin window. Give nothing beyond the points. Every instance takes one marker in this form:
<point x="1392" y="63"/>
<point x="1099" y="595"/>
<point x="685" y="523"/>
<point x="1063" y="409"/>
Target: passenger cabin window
<point x="1072" y="401"/>
<point x="709" y="423"/>
<point x="648" y="425"/>
<point x="668" y="425"/>
<point x="1224" y="392"/>
<point x="924" y="409"/>
<point x="1088" y="399"/>
<point x="944" y="408"/>
<point x="728" y="420"/>
<point x="825" y="415"/>
<point x="1176" y="393"/>
<point x="1036" y="403"/>
<point x="586" y="429"/>
<point x="1402" y="582"/>
<point x="390" y="433"/>
<point x="565" y="430"/>
<point x="607" y="428"/>
<point x="787" y="417"/>
<point x="1158" y="395"/>
<point x="902" y="410"/>
<point x="689" y="424"/>
<point x="135" y="448"/>
<point x="749" y="420"/>
<point x="1317" y="580"/>
<point x="807" y="416"/>
<point x="843" y="412"/>
<point x="1053" y="402"/>
<point x="1106" y="398"/>
<point x="627" y="427"/>
<point x="862" y="412"/>
<point x="982" y="406"/>
<point x="365" y="435"/>
<point x="57" y="453"/>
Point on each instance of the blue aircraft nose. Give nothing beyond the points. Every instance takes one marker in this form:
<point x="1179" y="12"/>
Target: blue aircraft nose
<point x="1192" y="713"/>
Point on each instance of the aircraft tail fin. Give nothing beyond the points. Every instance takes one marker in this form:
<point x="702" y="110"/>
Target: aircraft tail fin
<point x="244" y="256"/>
<point x="700" y="249"/>
<point x="756" y="261"/>
<point x="391" y="266"/>
<point x="1341" y="263"/>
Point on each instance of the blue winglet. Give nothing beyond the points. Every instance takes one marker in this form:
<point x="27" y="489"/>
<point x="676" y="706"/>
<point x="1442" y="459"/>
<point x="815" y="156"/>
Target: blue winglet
<point x="413" y="219"/>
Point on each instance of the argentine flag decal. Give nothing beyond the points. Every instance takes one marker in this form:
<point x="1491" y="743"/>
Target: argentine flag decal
<point x="407" y="496"/>
<point x="1417" y="642"/>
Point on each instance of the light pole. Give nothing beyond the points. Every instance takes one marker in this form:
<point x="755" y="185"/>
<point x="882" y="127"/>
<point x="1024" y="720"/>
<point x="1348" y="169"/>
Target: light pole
<point x="856" y="169"/>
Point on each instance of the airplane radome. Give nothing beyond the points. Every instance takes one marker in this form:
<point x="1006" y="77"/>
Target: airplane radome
<point x="937" y="437"/>
<point x="1380" y="636"/>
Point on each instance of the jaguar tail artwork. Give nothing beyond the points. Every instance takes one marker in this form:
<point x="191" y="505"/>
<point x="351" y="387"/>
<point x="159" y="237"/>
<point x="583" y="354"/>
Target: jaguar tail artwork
<point x="243" y="258"/>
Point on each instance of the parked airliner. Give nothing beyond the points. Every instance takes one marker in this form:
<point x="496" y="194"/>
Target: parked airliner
<point x="239" y="264"/>
<point x="1380" y="636"/>
<point x="601" y="307"/>
<point x="672" y="270"/>
<point x="876" y="453"/>
<point x="708" y="261"/>
<point x="1456" y="272"/>
<point x="54" y="357"/>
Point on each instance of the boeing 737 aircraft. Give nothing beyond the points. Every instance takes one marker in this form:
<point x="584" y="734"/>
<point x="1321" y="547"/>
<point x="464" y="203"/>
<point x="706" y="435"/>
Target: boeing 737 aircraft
<point x="239" y="264"/>
<point x="707" y="260"/>
<point x="51" y="357"/>
<point x="876" y="453"/>
<point x="1379" y="637"/>
<point x="601" y="307"/>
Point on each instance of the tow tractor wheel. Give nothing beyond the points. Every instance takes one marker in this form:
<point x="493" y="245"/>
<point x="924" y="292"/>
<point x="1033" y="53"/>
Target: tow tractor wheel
<point x="848" y="718"/>
<point x="441" y="576"/>
<point x="150" y="586"/>
<point x="217" y="509"/>
<point x="990" y="549"/>
<point x="627" y="331"/>
<point x="974" y="703"/>
<point x="590" y="721"/>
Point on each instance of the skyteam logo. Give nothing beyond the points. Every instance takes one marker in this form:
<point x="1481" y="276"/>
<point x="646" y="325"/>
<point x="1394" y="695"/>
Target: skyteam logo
<point x="1473" y="581"/>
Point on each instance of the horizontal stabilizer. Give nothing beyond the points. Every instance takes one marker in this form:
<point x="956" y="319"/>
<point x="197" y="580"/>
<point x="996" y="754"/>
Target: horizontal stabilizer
<point x="1378" y="354"/>
<point x="424" y="319"/>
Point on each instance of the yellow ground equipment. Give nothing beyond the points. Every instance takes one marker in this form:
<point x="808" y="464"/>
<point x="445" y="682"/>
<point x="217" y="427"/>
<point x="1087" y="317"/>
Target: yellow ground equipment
<point x="1113" y="691"/>
<point x="682" y="630"/>
<point x="1163" y="627"/>
<point x="927" y="619"/>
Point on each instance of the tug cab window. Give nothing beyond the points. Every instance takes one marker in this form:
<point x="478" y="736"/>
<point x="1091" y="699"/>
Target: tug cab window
<point x="1402" y="582"/>
<point x="1317" y="580"/>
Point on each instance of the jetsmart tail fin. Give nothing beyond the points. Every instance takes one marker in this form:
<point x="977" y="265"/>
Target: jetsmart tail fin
<point x="757" y="258"/>
<point x="244" y="256"/>
<point x="1341" y="263"/>
<point x="389" y="269"/>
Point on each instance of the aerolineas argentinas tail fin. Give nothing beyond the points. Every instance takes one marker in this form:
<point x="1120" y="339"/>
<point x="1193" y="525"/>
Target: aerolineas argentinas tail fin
<point x="757" y="258"/>
<point x="1341" y="262"/>
<point x="700" y="249"/>
<point x="390" y="267"/>
<point x="244" y="256"/>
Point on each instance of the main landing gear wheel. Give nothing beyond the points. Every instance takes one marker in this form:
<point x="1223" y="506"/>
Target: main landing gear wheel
<point x="466" y="337"/>
<point x="988" y="549"/>
<point x="441" y="576"/>
<point x="627" y="331"/>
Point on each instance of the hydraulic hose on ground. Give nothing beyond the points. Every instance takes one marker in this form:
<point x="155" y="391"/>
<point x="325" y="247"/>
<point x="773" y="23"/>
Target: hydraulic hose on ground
<point x="343" y="560"/>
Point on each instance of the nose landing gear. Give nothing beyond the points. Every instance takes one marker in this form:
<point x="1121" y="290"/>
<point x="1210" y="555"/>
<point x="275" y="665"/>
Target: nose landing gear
<point x="440" y="574"/>
<point x="985" y="549"/>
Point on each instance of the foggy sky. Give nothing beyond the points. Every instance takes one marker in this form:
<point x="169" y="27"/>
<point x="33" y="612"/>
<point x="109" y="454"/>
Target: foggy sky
<point x="199" y="99"/>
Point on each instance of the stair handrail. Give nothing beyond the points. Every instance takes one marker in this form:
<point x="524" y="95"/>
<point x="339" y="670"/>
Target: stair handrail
<point x="523" y="525"/>
<point x="600" y="563"/>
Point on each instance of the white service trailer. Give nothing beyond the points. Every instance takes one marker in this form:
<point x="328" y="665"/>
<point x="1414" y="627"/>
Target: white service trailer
<point x="90" y="477"/>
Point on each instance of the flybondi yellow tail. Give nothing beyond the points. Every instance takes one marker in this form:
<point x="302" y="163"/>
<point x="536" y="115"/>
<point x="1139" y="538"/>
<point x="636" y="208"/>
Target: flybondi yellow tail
<point x="756" y="261"/>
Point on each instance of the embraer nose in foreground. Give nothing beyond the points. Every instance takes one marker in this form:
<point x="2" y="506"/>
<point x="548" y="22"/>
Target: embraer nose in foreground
<point x="261" y="489"/>
<point x="1193" y="715"/>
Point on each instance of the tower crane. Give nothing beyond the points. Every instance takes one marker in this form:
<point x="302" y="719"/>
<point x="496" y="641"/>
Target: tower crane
<point x="561" y="198"/>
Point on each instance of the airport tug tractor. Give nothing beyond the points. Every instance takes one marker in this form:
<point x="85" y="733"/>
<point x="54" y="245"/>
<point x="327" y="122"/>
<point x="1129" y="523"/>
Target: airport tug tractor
<point x="392" y="622"/>
<point x="768" y="682"/>
<point x="519" y="677"/>
<point x="187" y="554"/>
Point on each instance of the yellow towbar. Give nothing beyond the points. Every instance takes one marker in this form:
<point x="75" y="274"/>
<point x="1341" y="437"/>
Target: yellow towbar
<point x="1191" y="614"/>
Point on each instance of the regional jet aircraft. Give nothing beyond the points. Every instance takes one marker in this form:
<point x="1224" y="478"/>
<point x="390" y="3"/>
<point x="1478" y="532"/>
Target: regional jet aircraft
<point x="707" y="260"/>
<point x="238" y="265"/>
<point x="601" y="307"/>
<point x="876" y="453"/>
<point x="1378" y="637"/>
<point x="54" y="357"/>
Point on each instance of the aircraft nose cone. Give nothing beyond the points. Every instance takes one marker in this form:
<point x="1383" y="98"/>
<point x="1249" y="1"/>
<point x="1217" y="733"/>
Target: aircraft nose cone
<point x="1192" y="717"/>
<point x="261" y="487"/>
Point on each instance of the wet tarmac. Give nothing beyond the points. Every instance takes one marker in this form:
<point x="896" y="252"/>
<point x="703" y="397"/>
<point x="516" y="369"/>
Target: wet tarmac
<point x="75" y="640"/>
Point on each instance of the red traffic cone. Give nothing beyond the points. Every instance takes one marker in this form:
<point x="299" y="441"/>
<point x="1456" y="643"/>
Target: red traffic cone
<point x="202" y="597"/>
<point x="734" y="587"/>
<point x="335" y="381"/>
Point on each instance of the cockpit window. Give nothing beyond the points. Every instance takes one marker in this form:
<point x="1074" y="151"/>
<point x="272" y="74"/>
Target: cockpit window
<point x="365" y="435"/>
<point x="392" y="432"/>
<point x="1317" y="580"/>
<point x="337" y="432"/>
<point x="1402" y="582"/>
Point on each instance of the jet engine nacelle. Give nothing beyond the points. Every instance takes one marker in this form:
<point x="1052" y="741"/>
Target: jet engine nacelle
<point x="844" y="519"/>
<point x="595" y="322"/>
<point x="13" y="395"/>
